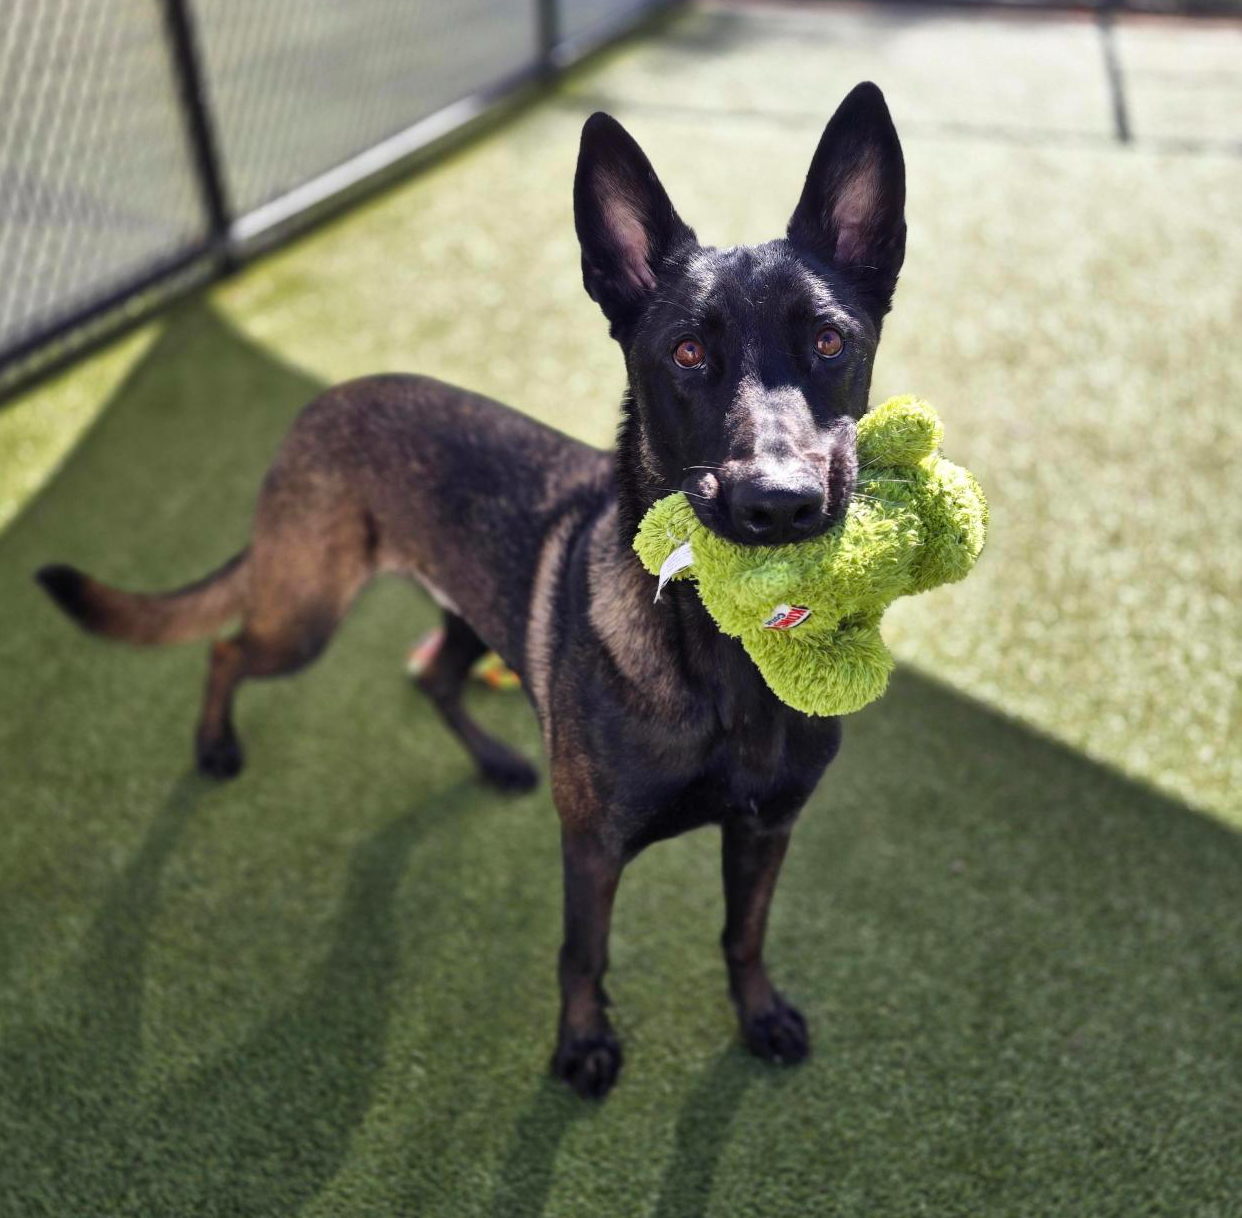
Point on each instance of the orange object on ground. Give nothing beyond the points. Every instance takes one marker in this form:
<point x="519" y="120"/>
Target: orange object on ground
<point x="490" y="669"/>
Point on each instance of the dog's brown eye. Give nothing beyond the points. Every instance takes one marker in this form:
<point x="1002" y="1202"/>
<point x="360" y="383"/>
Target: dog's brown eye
<point x="829" y="343"/>
<point x="689" y="353"/>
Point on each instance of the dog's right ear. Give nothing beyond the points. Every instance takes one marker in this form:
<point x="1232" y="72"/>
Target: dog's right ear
<point x="626" y="224"/>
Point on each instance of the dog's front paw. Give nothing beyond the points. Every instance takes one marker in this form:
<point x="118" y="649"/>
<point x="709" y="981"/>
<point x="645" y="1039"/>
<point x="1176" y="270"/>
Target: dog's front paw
<point x="778" y="1034"/>
<point x="589" y="1064"/>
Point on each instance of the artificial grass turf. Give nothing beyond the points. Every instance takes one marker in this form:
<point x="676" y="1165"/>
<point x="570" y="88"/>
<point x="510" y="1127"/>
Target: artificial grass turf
<point x="330" y="989"/>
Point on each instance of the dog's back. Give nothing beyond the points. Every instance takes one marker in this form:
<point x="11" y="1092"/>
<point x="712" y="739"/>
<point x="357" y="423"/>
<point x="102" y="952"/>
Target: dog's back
<point x="391" y="473"/>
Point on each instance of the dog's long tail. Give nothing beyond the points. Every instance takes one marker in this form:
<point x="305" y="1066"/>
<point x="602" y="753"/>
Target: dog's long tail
<point x="191" y="612"/>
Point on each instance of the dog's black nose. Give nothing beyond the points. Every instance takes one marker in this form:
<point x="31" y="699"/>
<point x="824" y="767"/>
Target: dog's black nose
<point x="772" y="515"/>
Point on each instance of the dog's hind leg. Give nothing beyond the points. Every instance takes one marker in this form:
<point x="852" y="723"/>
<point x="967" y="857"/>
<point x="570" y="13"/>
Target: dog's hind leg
<point x="216" y="749"/>
<point x="443" y="681"/>
<point x="304" y="580"/>
<point x="250" y="654"/>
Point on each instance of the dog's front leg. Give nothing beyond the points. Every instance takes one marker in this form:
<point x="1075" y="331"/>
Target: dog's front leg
<point x="752" y="854"/>
<point x="588" y="1055"/>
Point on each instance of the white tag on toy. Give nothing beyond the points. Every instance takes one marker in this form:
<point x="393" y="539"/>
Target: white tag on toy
<point x="786" y="617"/>
<point x="678" y="560"/>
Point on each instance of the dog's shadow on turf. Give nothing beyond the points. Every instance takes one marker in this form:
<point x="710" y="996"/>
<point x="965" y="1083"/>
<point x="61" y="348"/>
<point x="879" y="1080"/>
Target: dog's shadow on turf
<point x="258" y="1131"/>
<point x="527" y="1171"/>
<point x="702" y="1134"/>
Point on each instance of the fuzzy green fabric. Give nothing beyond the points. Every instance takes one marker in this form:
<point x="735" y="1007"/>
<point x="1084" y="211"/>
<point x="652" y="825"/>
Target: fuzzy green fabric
<point x="916" y="521"/>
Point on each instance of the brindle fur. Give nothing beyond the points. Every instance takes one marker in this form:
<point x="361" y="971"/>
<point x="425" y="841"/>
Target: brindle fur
<point x="654" y="722"/>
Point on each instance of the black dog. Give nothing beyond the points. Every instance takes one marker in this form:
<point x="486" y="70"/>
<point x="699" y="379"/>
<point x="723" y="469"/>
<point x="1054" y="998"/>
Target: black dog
<point x="748" y="369"/>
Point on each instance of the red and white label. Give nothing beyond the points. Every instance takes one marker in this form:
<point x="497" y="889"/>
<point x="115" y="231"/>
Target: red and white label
<point x="786" y="617"/>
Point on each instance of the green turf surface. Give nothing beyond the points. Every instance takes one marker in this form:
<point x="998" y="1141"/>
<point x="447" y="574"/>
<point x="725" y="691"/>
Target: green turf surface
<point x="328" y="988"/>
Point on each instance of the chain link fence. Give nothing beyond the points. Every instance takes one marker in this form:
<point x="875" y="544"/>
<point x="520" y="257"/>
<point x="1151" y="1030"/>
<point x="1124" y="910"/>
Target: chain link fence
<point x="145" y="145"/>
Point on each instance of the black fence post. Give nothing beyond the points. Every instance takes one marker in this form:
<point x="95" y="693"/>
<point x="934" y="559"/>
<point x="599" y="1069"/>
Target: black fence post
<point x="199" y="127"/>
<point x="547" y="18"/>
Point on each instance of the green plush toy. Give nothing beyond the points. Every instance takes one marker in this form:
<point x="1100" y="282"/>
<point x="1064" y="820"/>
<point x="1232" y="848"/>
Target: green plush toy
<point x="809" y="613"/>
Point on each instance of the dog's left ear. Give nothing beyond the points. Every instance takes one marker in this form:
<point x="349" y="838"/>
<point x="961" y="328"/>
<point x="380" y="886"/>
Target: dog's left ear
<point x="625" y="221"/>
<point x="852" y="211"/>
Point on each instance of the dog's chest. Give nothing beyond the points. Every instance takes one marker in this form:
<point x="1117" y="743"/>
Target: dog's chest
<point x="675" y="713"/>
<point x="744" y="756"/>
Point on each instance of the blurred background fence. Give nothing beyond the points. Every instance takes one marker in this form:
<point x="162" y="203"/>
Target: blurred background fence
<point x="147" y="145"/>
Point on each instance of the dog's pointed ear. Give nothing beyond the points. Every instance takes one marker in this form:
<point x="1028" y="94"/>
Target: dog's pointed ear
<point x="626" y="224"/>
<point x="852" y="211"/>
